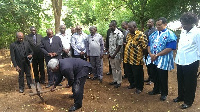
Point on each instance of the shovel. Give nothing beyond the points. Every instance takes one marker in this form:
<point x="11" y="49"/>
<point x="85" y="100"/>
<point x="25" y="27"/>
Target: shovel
<point x="35" y="86"/>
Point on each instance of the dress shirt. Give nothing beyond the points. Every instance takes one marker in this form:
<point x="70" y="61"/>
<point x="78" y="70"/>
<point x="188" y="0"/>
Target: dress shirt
<point x="50" y="40"/>
<point x="95" y="45"/>
<point x="160" y="42"/>
<point x="78" y="43"/>
<point x="115" y="39"/>
<point x="66" y="40"/>
<point x="188" y="47"/>
<point x="34" y="38"/>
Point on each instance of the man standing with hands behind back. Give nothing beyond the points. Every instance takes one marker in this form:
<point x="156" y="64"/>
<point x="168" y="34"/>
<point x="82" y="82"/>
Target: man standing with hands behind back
<point x="34" y="41"/>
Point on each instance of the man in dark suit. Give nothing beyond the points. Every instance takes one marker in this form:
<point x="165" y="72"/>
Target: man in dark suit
<point x="76" y="71"/>
<point x="51" y="46"/>
<point x="20" y="51"/>
<point x="150" y="67"/>
<point x="34" y="40"/>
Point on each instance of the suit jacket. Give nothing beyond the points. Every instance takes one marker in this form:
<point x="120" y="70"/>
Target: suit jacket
<point x="55" y="46"/>
<point x="35" y="46"/>
<point x="70" y="68"/>
<point x="17" y="56"/>
<point x="149" y="32"/>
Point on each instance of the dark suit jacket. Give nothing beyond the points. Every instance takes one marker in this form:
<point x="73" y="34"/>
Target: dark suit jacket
<point x="17" y="57"/>
<point x="55" y="46"/>
<point x="35" y="47"/>
<point x="70" y="68"/>
<point x="149" y="32"/>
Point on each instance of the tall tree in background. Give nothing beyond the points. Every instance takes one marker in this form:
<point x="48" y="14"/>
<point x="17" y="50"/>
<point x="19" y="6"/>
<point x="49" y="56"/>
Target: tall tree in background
<point x="57" y="7"/>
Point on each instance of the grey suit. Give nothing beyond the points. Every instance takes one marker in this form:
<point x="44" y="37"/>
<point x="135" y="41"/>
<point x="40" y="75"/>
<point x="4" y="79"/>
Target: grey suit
<point x="76" y="71"/>
<point x="47" y="47"/>
<point x="19" y="52"/>
<point x="38" y="57"/>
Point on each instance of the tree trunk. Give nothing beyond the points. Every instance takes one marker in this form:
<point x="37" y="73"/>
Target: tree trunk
<point x="57" y="7"/>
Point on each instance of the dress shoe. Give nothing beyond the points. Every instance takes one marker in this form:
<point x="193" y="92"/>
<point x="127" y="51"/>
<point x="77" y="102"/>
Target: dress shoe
<point x="163" y="98"/>
<point x="148" y="83"/>
<point x="88" y="77"/>
<point x="21" y="91"/>
<point x="48" y="86"/>
<point x="94" y="78"/>
<point x="73" y="108"/>
<point x="60" y="84"/>
<point x="153" y="93"/>
<point x="117" y="85"/>
<point x="71" y="96"/>
<point x="177" y="100"/>
<point x="100" y="80"/>
<point x="29" y="86"/>
<point x="138" y="91"/>
<point x="130" y="87"/>
<point x="113" y="83"/>
<point x="184" y="106"/>
<point x="108" y="73"/>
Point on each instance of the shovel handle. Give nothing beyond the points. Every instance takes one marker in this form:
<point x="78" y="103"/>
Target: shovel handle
<point x="45" y="91"/>
<point x="32" y="73"/>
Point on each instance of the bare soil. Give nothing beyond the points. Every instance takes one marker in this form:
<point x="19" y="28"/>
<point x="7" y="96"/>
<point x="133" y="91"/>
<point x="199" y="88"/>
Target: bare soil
<point x="98" y="97"/>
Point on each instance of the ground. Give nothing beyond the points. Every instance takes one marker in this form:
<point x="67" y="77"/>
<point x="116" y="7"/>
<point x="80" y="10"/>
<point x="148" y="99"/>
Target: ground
<point x="97" y="97"/>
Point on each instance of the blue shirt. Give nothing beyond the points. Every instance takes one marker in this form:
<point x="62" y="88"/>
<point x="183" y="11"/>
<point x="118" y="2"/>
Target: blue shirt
<point x="159" y="42"/>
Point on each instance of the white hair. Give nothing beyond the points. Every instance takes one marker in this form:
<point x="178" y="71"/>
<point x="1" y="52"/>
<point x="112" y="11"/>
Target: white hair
<point x="53" y="63"/>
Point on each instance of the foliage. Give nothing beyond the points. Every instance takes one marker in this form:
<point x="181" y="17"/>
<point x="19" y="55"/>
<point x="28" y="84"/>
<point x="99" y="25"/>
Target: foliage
<point x="17" y="15"/>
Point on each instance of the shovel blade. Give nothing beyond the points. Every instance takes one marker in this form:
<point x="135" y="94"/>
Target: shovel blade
<point x="33" y="88"/>
<point x="38" y="87"/>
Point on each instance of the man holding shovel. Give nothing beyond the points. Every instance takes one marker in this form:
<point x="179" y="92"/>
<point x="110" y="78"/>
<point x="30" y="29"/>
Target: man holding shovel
<point x="76" y="71"/>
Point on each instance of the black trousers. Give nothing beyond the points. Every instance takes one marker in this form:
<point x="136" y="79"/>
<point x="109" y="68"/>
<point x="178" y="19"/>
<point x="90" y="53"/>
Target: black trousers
<point x="52" y="76"/>
<point x="110" y="69"/>
<point x="38" y="62"/>
<point x="161" y="82"/>
<point x="78" y="87"/>
<point x="187" y="82"/>
<point x="80" y="56"/>
<point x="135" y="75"/>
<point x="25" y="68"/>
<point x="151" y="69"/>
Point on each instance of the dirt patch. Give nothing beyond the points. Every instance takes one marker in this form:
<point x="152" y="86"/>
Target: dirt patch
<point x="97" y="97"/>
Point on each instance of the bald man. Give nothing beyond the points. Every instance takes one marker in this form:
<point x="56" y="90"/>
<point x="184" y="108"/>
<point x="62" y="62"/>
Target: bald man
<point x="20" y="51"/>
<point x="51" y="46"/>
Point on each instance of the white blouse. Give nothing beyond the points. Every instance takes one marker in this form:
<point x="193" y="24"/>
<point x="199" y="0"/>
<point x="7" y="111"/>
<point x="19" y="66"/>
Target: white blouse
<point x="188" y="47"/>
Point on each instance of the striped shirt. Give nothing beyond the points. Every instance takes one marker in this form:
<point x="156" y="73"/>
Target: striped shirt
<point x="160" y="42"/>
<point x="133" y="53"/>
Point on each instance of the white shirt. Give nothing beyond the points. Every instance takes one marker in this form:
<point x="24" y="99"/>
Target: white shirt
<point x="66" y="40"/>
<point x="188" y="47"/>
<point x="78" y="43"/>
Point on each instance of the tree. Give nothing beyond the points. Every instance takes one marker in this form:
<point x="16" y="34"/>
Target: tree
<point x="57" y="7"/>
<point x="17" y="15"/>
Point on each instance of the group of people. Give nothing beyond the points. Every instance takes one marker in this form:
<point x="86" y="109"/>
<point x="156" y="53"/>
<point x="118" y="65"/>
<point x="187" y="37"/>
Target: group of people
<point x="154" y="48"/>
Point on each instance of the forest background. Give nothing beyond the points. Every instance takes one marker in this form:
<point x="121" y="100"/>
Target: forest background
<point x="19" y="15"/>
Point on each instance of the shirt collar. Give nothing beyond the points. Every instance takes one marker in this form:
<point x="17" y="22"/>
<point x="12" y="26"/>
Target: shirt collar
<point x="164" y="30"/>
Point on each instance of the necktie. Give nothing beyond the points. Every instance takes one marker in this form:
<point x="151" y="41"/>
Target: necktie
<point x="34" y="39"/>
